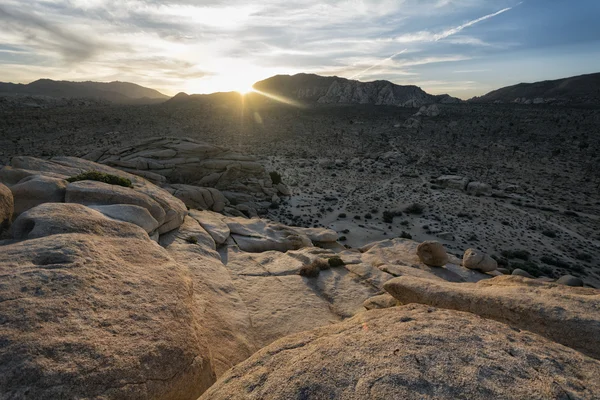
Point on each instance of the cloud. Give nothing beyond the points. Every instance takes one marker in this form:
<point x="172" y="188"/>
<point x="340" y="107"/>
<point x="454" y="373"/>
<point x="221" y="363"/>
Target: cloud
<point x="197" y="45"/>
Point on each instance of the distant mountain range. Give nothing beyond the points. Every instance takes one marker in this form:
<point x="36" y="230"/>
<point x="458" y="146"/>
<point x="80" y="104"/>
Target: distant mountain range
<point x="582" y="89"/>
<point x="315" y="89"/>
<point x="115" y="92"/>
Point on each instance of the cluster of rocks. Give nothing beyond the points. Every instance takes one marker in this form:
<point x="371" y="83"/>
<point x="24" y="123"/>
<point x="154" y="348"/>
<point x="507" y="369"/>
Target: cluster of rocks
<point x="122" y="292"/>
<point x="202" y="175"/>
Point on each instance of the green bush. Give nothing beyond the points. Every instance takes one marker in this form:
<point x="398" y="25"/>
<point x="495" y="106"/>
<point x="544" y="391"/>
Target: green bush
<point x="101" y="177"/>
<point x="335" y="261"/>
<point x="191" y="239"/>
<point x="275" y="177"/>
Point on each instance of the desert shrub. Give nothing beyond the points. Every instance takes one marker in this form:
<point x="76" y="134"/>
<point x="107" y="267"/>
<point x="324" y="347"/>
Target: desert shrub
<point x="502" y="262"/>
<point x="415" y="208"/>
<point x="342" y="238"/>
<point x="583" y="257"/>
<point x="368" y="216"/>
<point x="335" y="262"/>
<point x="520" y="254"/>
<point x="342" y="215"/>
<point x="549" y="233"/>
<point x="405" y="235"/>
<point x="388" y="216"/>
<point x="313" y="269"/>
<point x="555" y="262"/>
<point x="275" y="177"/>
<point x="101" y="177"/>
<point x="191" y="239"/>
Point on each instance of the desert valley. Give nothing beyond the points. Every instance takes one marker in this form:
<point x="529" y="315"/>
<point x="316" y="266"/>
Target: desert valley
<point x="316" y="238"/>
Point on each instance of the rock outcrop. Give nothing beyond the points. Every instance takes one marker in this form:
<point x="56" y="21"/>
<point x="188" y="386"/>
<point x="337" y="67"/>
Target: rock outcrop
<point x="566" y="315"/>
<point x="432" y="253"/>
<point x="202" y="175"/>
<point x="474" y="259"/>
<point x="412" y="352"/>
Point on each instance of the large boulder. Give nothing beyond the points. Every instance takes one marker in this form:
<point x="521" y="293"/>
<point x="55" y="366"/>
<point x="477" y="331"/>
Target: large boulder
<point x="95" y="316"/>
<point x="474" y="259"/>
<point x="58" y="218"/>
<point x="38" y="189"/>
<point x="99" y="193"/>
<point x="411" y="352"/>
<point x="564" y="314"/>
<point x="432" y="253"/>
<point x="6" y="207"/>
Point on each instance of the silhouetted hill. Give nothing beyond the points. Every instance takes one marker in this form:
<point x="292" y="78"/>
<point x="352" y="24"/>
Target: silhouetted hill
<point x="310" y="88"/>
<point x="583" y="89"/>
<point x="116" y="92"/>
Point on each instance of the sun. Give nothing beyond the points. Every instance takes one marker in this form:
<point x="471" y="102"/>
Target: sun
<point x="243" y="90"/>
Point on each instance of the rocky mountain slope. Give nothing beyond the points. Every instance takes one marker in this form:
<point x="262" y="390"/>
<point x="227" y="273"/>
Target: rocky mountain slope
<point x="315" y="89"/>
<point x="583" y="89"/>
<point x="112" y="287"/>
<point x="116" y="92"/>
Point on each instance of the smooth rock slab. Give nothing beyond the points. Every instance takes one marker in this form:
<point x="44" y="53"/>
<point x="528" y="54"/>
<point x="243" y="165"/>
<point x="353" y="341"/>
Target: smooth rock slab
<point x="258" y="235"/>
<point x="411" y="352"/>
<point x="567" y="315"/>
<point x="213" y="224"/>
<point x="58" y="218"/>
<point x="129" y="213"/>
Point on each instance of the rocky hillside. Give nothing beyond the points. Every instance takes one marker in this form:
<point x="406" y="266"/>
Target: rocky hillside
<point x="583" y="89"/>
<point x="317" y="89"/>
<point x="116" y="287"/>
<point x="116" y="92"/>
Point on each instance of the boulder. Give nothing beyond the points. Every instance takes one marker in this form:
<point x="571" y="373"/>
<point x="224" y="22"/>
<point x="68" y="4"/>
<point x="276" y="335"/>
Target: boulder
<point x="479" y="188"/>
<point x="58" y="218"/>
<point x="38" y="189"/>
<point x="129" y="213"/>
<point x="561" y="313"/>
<point x="411" y="352"/>
<point x="94" y="316"/>
<point x="453" y="182"/>
<point x="520" y="272"/>
<point x="380" y="301"/>
<point x="199" y="198"/>
<point x="6" y="207"/>
<point x="213" y="224"/>
<point x="11" y="176"/>
<point x="432" y="253"/>
<point x="258" y="235"/>
<point x="474" y="259"/>
<point x="99" y="193"/>
<point x="570" y="280"/>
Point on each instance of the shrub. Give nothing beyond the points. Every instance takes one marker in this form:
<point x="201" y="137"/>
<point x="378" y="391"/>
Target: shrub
<point x="388" y="216"/>
<point x="583" y="257"/>
<point x="313" y="269"/>
<point x="405" y="235"/>
<point x="191" y="239"/>
<point x="342" y="215"/>
<point x="415" y="208"/>
<point x="520" y="254"/>
<point x="275" y="177"/>
<point x="555" y="262"/>
<point x="101" y="177"/>
<point x="335" y="262"/>
<point x="549" y="233"/>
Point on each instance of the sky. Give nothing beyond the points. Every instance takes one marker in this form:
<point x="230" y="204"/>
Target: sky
<point x="460" y="47"/>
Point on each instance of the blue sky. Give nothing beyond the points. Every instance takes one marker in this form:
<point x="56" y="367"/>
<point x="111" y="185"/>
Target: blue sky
<point x="461" y="47"/>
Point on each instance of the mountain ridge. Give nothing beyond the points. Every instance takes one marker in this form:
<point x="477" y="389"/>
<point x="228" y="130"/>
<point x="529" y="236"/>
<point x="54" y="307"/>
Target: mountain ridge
<point x="116" y="91"/>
